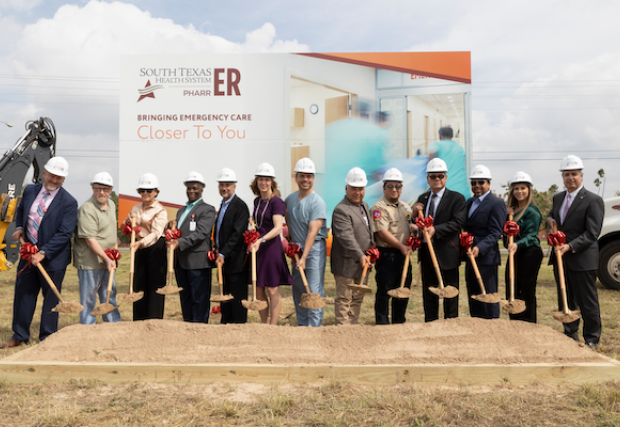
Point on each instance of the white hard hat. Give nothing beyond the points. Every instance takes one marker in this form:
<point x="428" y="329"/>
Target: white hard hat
<point x="103" y="178"/>
<point x="570" y="163"/>
<point x="305" y="165"/>
<point x="194" y="176"/>
<point x="480" y="172"/>
<point x="57" y="166"/>
<point x="392" y="175"/>
<point x="521" y="177"/>
<point x="436" y="165"/>
<point x="265" y="169"/>
<point x="226" y="175"/>
<point x="356" y="178"/>
<point x="148" y="181"/>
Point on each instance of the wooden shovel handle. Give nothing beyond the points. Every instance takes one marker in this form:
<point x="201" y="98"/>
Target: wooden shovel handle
<point x="511" y="265"/>
<point x="220" y="278"/>
<point x="364" y="271"/>
<point x="431" y="251"/>
<point x="47" y="277"/>
<point x="560" y="261"/>
<point x="474" y="264"/>
<point x="403" y="276"/>
<point x="132" y="253"/>
<point x="303" y="275"/>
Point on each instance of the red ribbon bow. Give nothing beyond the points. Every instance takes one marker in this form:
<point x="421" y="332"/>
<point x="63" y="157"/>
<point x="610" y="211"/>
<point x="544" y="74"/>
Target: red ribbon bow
<point x="511" y="228"/>
<point x="173" y="234"/>
<point x="556" y="239"/>
<point x="216" y="309"/>
<point x="250" y="236"/>
<point x="292" y="250"/>
<point x="27" y="251"/>
<point x="127" y="228"/>
<point x="422" y="222"/>
<point x="373" y="254"/>
<point x="466" y="240"/>
<point x="113" y="254"/>
<point x="211" y="255"/>
<point x="414" y="243"/>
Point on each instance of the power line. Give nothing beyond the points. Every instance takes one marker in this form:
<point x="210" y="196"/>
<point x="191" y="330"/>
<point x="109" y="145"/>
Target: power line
<point x="555" y="159"/>
<point x="82" y="79"/>
<point x="58" y="94"/>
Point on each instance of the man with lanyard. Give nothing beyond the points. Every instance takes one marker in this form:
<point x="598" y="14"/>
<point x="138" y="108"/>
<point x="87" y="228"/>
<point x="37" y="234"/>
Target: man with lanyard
<point x="352" y="238"/>
<point x="231" y="222"/>
<point x="192" y="266"/>
<point x="448" y="211"/>
<point x="46" y="217"/>
<point x="96" y="232"/>
<point x="578" y="213"/>
<point x="305" y="217"/>
<point x="486" y="215"/>
<point x="391" y="225"/>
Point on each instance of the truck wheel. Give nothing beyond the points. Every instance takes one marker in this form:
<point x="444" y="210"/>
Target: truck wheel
<point x="609" y="265"/>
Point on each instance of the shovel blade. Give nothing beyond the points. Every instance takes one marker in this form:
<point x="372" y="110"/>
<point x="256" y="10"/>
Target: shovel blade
<point x="102" y="309"/>
<point x="569" y="317"/>
<point x="312" y="301"/>
<point x="361" y="288"/>
<point x="169" y="290"/>
<point x="487" y="298"/>
<point x="222" y="298"/>
<point x="68" y="307"/>
<point x="257" y="305"/>
<point x="402" y="293"/>
<point x="130" y="298"/>
<point x="513" y="307"/>
<point x="445" y="292"/>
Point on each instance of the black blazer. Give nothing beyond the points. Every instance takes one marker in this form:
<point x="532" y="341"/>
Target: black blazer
<point x="232" y="246"/>
<point x="487" y="226"/>
<point x="582" y="227"/>
<point x="449" y="219"/>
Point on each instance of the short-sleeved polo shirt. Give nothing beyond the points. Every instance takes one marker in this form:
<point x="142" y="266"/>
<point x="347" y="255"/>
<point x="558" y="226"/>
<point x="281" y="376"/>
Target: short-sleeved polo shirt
<point x="94" y="222"/>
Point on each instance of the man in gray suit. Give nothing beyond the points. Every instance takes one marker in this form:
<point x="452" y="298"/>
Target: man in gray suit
<point x="192" y="266"/>
<point x="352" y="237"/>
<point x="578" y="213"/>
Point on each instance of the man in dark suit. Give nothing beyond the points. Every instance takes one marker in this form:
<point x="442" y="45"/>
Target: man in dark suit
<point x="46" y="217"/>
<point x="449" y="213"/>
<point x="352" y="237"/>
<point x="578" y="213"/>
<point x="192" y="266"/>
<point x="230" y="224"/>
<point x="486" y="215"/>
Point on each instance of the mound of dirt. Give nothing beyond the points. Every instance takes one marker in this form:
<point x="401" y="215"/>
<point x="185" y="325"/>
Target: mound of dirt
<point x="460" y="341"/>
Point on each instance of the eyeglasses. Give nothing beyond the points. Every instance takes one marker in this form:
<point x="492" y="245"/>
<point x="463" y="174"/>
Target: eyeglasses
<point x="440" y="176"/>
<point x="478" y="182"/>
<point x="144" y="190"/>
<point x="102" y="189"/>
<point x="392" y="186"/>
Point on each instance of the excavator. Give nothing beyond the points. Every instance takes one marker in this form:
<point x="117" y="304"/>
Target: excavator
<point x="34" y="148"/>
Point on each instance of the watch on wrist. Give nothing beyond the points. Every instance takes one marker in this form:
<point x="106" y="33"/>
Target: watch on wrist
<point x="263" y="239"/>
<point x="42" y="253"/>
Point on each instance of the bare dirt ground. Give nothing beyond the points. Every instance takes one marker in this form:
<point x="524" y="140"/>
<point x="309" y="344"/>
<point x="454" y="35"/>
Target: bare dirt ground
<point x="461" y="340"/>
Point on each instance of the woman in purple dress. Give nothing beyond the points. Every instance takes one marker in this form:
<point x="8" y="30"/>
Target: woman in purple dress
<point x="272" y="269"/>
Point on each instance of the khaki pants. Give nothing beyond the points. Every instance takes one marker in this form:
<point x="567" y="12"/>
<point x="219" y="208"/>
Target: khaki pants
<point x="348" y="301"/>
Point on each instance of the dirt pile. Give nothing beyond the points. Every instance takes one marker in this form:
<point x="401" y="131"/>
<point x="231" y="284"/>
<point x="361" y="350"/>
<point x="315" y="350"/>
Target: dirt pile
<point x="460" y="341"/>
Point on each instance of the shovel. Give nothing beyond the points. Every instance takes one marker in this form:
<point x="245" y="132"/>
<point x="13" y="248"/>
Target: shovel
<point x="402" y="292"/>
<point x="221" y="297"/>
<point x="106" y="308"/>
<point x="63" y="306"/>
<point x="566" y="315"/>
<point x="483" y="297"/>
<point x="308" y="300"/>
<point x="131" y="296"/>
<point x="171" y="288"/>
<point x="256" y="305"/>
<point x="512" y="306"/>
<point x="441" y="290"/>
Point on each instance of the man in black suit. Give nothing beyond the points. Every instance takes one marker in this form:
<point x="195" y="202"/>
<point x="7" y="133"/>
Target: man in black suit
<point x="46" y="217"/>
<point x="231" y="222"/>
<point x="486" y="215"/>
<point x="448" y="211"/>
<point x="192" y="266"/>
<point x="578" y="213"/>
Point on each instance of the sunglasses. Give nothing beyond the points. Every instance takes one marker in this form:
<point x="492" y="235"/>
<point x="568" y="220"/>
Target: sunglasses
<point x="478" y="182"/>
<point x="440" y="176"/>
<point x="392" y="186"/>
<point x="102" y="189"/>
<point x="143" y="190"/>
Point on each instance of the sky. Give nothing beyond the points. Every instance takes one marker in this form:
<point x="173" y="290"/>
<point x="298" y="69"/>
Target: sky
<point x="545" y="75"/>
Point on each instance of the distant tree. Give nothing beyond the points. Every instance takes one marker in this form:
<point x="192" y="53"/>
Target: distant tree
<point x="601" y="174"/>
<point x="597" y="183"/>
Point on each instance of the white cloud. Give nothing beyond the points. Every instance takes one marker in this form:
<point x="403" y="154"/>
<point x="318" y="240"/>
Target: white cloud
<point x="18" y="5"/>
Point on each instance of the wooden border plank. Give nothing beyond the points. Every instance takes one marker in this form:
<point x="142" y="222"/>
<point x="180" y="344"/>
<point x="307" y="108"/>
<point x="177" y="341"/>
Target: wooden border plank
<point x="34" y="372"/>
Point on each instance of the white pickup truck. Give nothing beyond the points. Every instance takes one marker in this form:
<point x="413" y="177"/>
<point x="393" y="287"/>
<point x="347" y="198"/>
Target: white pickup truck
<point x="609" y="246"/>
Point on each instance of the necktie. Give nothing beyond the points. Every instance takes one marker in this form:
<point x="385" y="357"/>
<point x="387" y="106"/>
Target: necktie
<point x="566" y="207"/>
<point x="433" y="207"/>
<point x="39" y="216"/>
<point x="220" y="218"/>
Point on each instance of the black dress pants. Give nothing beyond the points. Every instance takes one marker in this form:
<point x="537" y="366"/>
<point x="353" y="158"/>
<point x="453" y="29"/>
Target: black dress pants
<point x="389" y="270"/>
<point x="149" y="275"/>
<point x="429" y="279"/>
<point x="235" y="284"/>
<point x="527" y="265"/>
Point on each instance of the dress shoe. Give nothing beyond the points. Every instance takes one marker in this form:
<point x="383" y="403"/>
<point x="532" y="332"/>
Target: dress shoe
<point x="574" y="336"/>
<point x="592" y="344"/>
<point x="11" y="343"/>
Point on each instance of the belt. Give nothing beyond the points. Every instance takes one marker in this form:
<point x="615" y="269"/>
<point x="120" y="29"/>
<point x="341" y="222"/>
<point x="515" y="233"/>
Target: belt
<point x="389" y="250"/>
